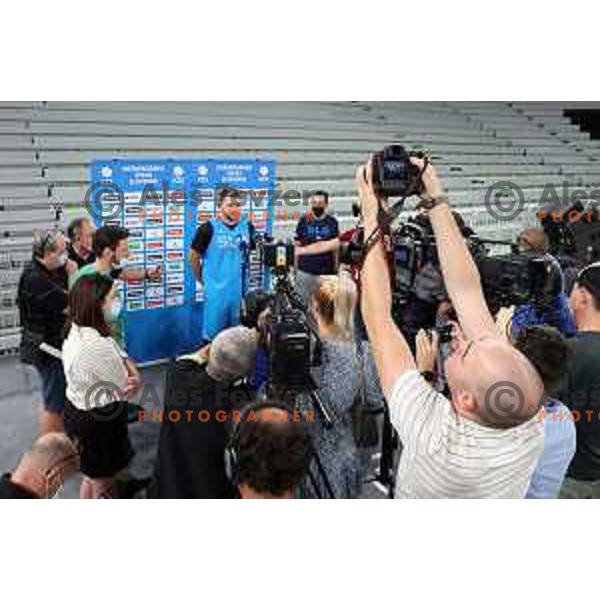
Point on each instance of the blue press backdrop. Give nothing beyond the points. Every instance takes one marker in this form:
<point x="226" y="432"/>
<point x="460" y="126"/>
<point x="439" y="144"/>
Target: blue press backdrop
<point x="162" y="203"/>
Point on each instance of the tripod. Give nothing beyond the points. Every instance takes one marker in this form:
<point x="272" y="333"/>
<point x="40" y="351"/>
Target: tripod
<point x="301" y="383"/>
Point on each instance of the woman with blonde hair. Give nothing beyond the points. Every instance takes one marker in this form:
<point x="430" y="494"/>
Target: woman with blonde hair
<point x="347" y="367"/>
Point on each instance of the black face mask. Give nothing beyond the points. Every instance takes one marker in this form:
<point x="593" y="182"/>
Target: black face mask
<point x="318" y="212"/>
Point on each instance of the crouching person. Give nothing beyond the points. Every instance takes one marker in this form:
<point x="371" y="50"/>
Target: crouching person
<point x="201" y="393"/>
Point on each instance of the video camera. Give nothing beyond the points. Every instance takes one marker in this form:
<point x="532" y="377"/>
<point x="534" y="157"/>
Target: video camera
<point x="517" y="279"/>
<point x="278" y="256"/>
<point x="291" y="336"/>
<point x="508" y="280"/>
<point x="294" y="348"/>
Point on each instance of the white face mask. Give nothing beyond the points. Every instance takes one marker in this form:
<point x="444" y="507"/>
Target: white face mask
<point x="113" y="312"/>
<point x="62" y="260"/>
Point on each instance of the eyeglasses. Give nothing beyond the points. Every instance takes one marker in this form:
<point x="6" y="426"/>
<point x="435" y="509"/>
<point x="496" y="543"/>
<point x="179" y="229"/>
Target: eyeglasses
<point x="470" y="346"/>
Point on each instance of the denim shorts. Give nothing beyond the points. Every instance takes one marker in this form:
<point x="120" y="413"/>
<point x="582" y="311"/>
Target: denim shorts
<point x="54" y="384"/>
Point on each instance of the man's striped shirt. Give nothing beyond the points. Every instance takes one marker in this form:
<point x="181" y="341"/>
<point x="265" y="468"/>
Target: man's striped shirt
<point x="448" y="456"/>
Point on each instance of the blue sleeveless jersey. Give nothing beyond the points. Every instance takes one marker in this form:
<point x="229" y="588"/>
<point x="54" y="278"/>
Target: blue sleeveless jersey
<point x="223" y="275"/>
<point x="223" y="263"/>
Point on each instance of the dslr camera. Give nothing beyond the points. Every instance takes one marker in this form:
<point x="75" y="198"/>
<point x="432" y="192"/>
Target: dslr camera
<point x="394" y="175"/>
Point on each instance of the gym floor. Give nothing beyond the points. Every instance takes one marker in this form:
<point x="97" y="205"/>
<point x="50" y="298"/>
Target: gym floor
<point x="19" y="405"/>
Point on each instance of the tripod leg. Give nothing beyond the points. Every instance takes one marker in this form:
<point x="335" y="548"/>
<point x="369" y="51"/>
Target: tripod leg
<point x="322" y="476"/>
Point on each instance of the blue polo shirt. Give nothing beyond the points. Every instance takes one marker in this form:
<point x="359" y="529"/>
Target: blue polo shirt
<point x="311" y="230"/>
<point x="559" y="450"/>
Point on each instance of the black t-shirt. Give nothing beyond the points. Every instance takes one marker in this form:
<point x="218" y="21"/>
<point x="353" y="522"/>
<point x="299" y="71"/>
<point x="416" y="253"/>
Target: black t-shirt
<point x="43" y="299"/>
<point x="190" y="461"/>
<point x="81" y="262"/>
<point x="582" y="394"/>
<point x="205" y="232"/>
<point x="310" y="231"/>
<point x="12" y="491"/>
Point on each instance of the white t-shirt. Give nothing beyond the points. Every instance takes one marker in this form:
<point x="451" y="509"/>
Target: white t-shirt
<point x="447" y="456"/>
<point x="94" y="369"/>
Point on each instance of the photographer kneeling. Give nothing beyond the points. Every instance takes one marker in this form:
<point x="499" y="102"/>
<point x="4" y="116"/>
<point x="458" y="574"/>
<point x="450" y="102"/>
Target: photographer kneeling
<point x="345" y="368"/>
<point x="477" y="445"/>
<point x="201" y="391"/>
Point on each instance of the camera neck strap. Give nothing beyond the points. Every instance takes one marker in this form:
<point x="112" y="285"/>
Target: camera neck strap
<point x="382" y="233"/>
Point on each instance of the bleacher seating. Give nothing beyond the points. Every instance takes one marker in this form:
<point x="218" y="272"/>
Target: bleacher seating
<point x="46" y="149"/>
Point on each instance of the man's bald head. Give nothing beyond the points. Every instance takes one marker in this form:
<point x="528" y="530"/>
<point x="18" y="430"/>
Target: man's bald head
<point x="52" y="459"/>
<point x="493" y="383"/>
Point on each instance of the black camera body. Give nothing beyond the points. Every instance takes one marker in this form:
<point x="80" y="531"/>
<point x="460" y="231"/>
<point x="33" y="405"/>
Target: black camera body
<point x="279" y="256"/>
<point x="253" y="305"/>
<point x="352" y="250"/>
<point x="517" y="279"/>
<point x="394" y="175"/>
<point x="507" y="280"/>
<point x="290" y="360"/>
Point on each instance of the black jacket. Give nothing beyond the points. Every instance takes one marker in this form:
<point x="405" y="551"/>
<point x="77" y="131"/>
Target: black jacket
<point x="12" y="491"/>
<point x="42" y="300"/>
<point x="190" y="462"/>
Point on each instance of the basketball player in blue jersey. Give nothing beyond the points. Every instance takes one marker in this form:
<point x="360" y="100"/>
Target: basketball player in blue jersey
<point x="219" y="258"/>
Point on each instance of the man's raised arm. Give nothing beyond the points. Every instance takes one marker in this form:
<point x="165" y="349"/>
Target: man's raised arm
<point x="319" y="248"/>
<point x="461" y="275"/>
<point x="392" y="353"/>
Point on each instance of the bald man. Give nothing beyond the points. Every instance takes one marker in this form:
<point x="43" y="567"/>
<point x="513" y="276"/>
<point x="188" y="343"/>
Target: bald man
<point x="43" y="470"/>
<point x="483" y="442"/>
